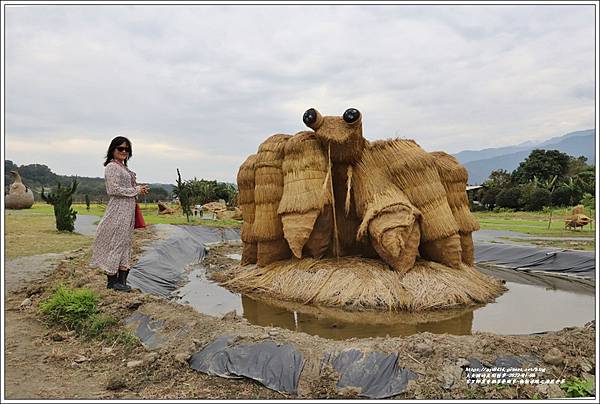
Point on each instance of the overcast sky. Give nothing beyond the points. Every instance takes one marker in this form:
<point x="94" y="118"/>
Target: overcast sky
<point x="199" y="87"/>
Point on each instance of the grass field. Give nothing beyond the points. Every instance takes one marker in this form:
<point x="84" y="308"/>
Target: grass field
<point x="33" y="231"/>
<point x="534" y="223"/>
<point x="150" y="212"/>
<point x="30" y="232"/>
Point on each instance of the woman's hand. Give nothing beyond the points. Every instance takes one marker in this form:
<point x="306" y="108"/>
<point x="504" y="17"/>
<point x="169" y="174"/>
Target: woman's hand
<point x="144" y="189"/>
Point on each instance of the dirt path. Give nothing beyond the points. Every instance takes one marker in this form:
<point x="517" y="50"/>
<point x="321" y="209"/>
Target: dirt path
<point x="19" y="272"/>
<point x="31" y="362"/>
<point x="52" y="363"/>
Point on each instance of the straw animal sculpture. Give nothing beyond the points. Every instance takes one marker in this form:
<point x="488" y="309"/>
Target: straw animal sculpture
<point x="19" y="196"/>
<point x="331" y="194"/>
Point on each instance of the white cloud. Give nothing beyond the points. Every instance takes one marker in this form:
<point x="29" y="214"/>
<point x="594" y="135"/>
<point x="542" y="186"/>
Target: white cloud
<point x="199" y="87"/>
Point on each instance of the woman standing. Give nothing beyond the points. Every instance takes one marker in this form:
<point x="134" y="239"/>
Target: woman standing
<point x="114" y="235"/>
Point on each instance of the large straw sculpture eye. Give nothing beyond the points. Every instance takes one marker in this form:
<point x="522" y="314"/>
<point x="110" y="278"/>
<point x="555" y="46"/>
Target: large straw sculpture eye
<point x="310" y="116"/>
<point x="351" y="115"/>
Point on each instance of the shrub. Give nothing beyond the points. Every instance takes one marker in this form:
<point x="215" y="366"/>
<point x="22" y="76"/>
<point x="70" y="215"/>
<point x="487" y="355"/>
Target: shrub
<point x="561" y="197"/>
<point x="509" y="198"/>
<point x="537" y="199"/>
<point x="576" y="387"/>
<point x="62" y="200"/>
<point x="588" y="201"/>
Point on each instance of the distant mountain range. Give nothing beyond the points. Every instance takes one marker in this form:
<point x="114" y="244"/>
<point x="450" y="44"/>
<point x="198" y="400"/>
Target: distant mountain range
<point x="480" y="163"/>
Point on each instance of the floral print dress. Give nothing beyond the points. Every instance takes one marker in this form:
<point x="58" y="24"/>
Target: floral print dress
<point x="114" y="235"/>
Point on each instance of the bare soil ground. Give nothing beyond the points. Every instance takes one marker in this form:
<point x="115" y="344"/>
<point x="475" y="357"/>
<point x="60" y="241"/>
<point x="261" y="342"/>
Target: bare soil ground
<point x="52" y="363"/>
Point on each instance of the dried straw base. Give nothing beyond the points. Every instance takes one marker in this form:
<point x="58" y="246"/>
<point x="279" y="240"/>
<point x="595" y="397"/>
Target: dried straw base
<point x="357" y="283"/>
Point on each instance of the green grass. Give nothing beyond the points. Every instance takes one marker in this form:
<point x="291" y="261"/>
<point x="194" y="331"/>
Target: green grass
<point x="535" y="223"/>
<point x="77" y="309"/>
<point x="576" y="387"/>
<point x="581" y="245"/>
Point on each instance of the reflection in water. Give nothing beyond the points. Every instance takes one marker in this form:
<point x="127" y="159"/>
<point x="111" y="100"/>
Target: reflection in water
<point x="533" y="303"/>
<point x="328" y="323"/>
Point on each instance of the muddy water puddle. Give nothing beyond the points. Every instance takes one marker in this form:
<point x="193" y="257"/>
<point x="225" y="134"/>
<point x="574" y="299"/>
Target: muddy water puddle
<point x="533" y="303"/>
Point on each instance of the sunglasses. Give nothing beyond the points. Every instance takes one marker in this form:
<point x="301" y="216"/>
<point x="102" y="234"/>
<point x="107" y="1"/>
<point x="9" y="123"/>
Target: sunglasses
<point x="122" y="149"/>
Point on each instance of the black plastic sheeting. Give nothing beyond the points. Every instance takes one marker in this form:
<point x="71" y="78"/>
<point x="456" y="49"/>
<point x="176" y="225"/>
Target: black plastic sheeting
<point x="160" y="269"/>
<point x="147" y="329"/>
<point x="376" y="374"/>
<point x="274" y="365"/>
<point x="580" y="263"/>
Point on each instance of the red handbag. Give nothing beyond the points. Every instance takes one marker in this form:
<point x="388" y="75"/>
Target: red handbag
<point x="139" y="218"/>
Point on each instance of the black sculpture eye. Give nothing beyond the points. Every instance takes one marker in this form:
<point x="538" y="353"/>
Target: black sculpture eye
<point x="310" y="116"/>
<point x="351" y="115"/>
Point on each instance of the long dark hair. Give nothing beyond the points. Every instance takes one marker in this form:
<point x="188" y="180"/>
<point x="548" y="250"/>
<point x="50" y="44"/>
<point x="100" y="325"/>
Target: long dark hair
<point x="119" y="140"/>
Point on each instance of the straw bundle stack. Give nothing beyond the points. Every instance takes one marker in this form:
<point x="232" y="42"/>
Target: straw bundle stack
<point x="306" y="194"/>
<point x="412" y="170"/>
<point x="268" y="189"/>
<point x="245" y="181"/>
<point x="359" y="283"/>
<point x="346" y="139"/>
<point x="578" y="210"/>
<point x="389" y="218"/>
<point x="454" y="178"/>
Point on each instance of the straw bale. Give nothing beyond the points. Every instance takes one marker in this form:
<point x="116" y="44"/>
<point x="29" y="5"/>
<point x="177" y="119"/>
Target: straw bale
<point x="305" y="170"/>
<point x="320" y="238"/>
<point x="267" y="224"/>
<point x="395" y="235"/>
<point x="297" y="228"/>
<point x="446" y="251"/>
<point x="245" y="182"/>
<point x="346" y="139"/>
<point x="579" y="209"/>
<point x="467" y="248"/>
<point x="454" y="177"/>
<point x="270" y="152"/>
<point x="271" y="251"/>
<point x="268" y="189"/>
<point x="249" y="254"/>
<point x="359" y="283"/>
<point x="412" y="170"/>
<point x="449" y="168"/>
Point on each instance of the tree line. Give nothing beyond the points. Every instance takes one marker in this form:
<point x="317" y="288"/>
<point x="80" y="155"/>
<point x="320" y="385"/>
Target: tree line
<point x="36" y="176"/>
<point x="546" y="178"/>
<point x="198" y="192"/>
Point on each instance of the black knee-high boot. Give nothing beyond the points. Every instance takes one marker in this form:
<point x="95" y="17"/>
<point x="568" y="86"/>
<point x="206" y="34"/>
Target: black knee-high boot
<point x="113" y="283"/>
<point x="123" y="279"/>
